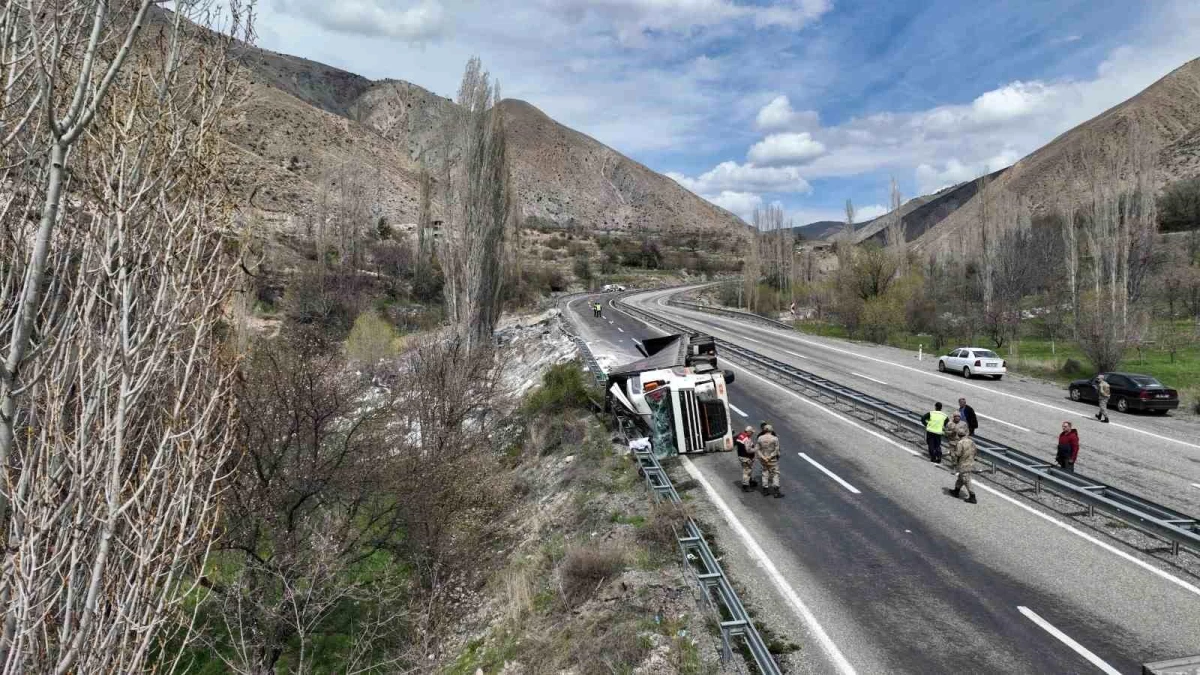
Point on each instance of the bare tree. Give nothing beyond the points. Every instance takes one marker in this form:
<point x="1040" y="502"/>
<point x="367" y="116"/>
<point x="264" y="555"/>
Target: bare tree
<point x="475" y="190"/>
<point x="1120" y="222"/>
<point x="114" y="393"/>
<point x="895" y="228"/>
<point x="303" y="563"/>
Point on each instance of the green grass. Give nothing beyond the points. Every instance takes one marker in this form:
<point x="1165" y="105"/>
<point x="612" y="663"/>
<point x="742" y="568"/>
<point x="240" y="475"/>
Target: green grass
<point x="1041" y="357"/>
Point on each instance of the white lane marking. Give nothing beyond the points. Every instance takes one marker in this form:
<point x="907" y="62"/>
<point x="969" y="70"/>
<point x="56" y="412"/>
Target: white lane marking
<point x="619" y="329"/>
<point x="831" y="650"/>
<point x="967" y="384"/>
<point x="795" y="354"/>
<point x="1196" y="485"/>
<point x="829" y="473"/>
<point x="989" y="417"/>
<point x="1068" y="641"/>
<point x="737" y="410"/>
<point x="867" y="377"/>
<point x="1069" y="528"/>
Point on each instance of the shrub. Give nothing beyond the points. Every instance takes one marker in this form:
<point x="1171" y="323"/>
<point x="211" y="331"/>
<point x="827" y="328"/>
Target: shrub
<point x="586" y="568"/>
<point x="665" y="519"/>
<point x="1072" y="368"/>
<point x="562" y="389"/>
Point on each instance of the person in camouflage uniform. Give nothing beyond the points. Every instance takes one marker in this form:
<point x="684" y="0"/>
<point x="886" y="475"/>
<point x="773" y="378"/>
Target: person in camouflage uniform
<point x="767" y="449"/>
<point x="745" y="451"/>
<point x="956" y="429"/>
<point x="962" y="459"/>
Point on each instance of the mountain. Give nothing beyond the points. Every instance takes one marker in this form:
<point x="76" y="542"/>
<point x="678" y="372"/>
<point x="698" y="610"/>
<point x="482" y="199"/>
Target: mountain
<point x="822" y="229"/>
<point x="305" y="130"/>
<point x="1167" y="113"/>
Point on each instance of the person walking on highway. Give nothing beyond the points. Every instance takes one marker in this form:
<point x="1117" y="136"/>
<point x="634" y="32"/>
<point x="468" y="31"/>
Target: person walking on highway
<point x="744" y="442"/>
<point x="968" y="415"/>
<point x="1068" y="447"/>
<point x="962" y="460"/>
<point x="1103" y="391"/>
<point x="935" y="424"/>
<point x="957" y="428"/>
<point x="767" y="449"/>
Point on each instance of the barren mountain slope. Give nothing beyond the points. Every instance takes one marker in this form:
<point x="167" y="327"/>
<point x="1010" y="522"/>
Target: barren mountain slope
<point x="1167" y="111"/>
<point x="306" y="120"/>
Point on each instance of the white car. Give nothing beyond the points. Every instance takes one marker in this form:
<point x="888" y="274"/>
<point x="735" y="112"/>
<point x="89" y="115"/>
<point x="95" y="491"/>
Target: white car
<point x="971" y="361"/>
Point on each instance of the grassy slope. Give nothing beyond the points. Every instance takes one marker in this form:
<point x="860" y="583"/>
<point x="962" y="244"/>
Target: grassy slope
<point x="1040" y="357"/>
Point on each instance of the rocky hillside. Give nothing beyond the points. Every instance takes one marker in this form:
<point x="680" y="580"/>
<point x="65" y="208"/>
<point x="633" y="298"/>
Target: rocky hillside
<point x="306" y="129"/>
<point x="1167" y="111"/>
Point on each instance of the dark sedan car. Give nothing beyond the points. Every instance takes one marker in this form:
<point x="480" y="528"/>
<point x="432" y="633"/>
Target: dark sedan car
<point x="1130" y="391"/>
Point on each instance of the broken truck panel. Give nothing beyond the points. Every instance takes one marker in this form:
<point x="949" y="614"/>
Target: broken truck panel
<point x="676" y="395"/>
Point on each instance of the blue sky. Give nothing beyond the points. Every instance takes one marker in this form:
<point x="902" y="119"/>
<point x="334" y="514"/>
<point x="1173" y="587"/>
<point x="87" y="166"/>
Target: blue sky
<point x="750" y="102"/>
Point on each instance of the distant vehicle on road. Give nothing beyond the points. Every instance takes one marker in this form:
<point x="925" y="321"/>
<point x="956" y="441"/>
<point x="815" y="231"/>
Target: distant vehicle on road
<point x="972" y="361"/>
<point x="1130" y="391"/>
<point x="612" y="288"/>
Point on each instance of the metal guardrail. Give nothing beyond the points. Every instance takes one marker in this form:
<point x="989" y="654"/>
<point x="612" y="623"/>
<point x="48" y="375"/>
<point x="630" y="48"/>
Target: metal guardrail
<point x="1178" y="530"/>
<point x="719" y="595"/>
<point x="737" y="313"/>
<point x="589" y="361"/>
<point x="735" y="623"/>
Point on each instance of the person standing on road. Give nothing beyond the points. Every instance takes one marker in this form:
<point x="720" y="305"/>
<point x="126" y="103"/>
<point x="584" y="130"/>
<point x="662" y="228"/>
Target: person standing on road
<point x="968" y="415"/>
<point x="956" y="429"/>
<point x="767" y="449"/>
<point x="935" y="424"/>
<point x="962" y="460"/>
<point x="745" y="451"/>
<point x="1103" y="391"/>
<point x="1068" y="447"/>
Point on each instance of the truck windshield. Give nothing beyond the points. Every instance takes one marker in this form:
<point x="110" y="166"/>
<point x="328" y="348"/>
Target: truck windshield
<point x="662" y="422"/>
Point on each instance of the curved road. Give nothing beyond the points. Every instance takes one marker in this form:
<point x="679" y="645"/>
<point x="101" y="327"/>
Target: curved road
<point x="895" y="575"/>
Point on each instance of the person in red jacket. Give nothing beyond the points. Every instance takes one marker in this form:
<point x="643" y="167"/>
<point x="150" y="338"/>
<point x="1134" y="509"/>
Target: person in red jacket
<point x="1068" y="447"/>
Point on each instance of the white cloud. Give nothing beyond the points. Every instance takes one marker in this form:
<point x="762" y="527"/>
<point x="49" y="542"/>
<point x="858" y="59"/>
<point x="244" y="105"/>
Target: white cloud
<point x="779" y="116"/>
<point x="864" y="213"/>
<point x="736" y="177"/>
<point x="633" y="19"/>
<point x="741" y="204"/>
<point x="785" y="150"/>
<point x="411" y="21"/>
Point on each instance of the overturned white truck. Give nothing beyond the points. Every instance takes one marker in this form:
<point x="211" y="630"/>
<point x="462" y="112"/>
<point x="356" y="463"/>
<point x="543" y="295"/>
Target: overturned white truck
<point x="676" y="395"/>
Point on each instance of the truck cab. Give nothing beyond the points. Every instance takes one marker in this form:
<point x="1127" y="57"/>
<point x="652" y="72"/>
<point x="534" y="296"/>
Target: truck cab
<point x="676" y="395"/>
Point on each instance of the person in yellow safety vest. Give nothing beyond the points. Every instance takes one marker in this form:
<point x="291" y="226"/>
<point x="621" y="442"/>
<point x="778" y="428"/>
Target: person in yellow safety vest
<point x="935" y="425"/>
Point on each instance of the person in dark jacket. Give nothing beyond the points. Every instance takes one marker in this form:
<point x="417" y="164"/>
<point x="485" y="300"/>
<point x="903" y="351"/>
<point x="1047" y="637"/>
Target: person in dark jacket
<point x="968" y="415"/>
<point x="1068" y="447"/>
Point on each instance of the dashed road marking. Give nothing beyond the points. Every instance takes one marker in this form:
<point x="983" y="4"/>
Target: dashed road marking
<point x="1068" y="641"/>
<point x="737" y="410"/>
<point x="989" y="417"/>
<point x="620" y="330"/>
<point x="795" y="354"/>
<point x="868" y="377"/>
<point x="922" y="371"/>
<point x="831" y="650"/>
<point x="829" y="473"/>
<point x="1192" y="588"/>
<point x="1196" y="485"/>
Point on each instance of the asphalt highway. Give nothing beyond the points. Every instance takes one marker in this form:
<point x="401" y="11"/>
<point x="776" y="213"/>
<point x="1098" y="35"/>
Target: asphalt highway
<point x="893" y="574"/>
<point x="1155" y="457"/>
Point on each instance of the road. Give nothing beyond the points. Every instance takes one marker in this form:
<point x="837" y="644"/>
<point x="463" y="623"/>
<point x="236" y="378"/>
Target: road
<point x="900" y="577"/>
<point x="1155" y="457"/>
